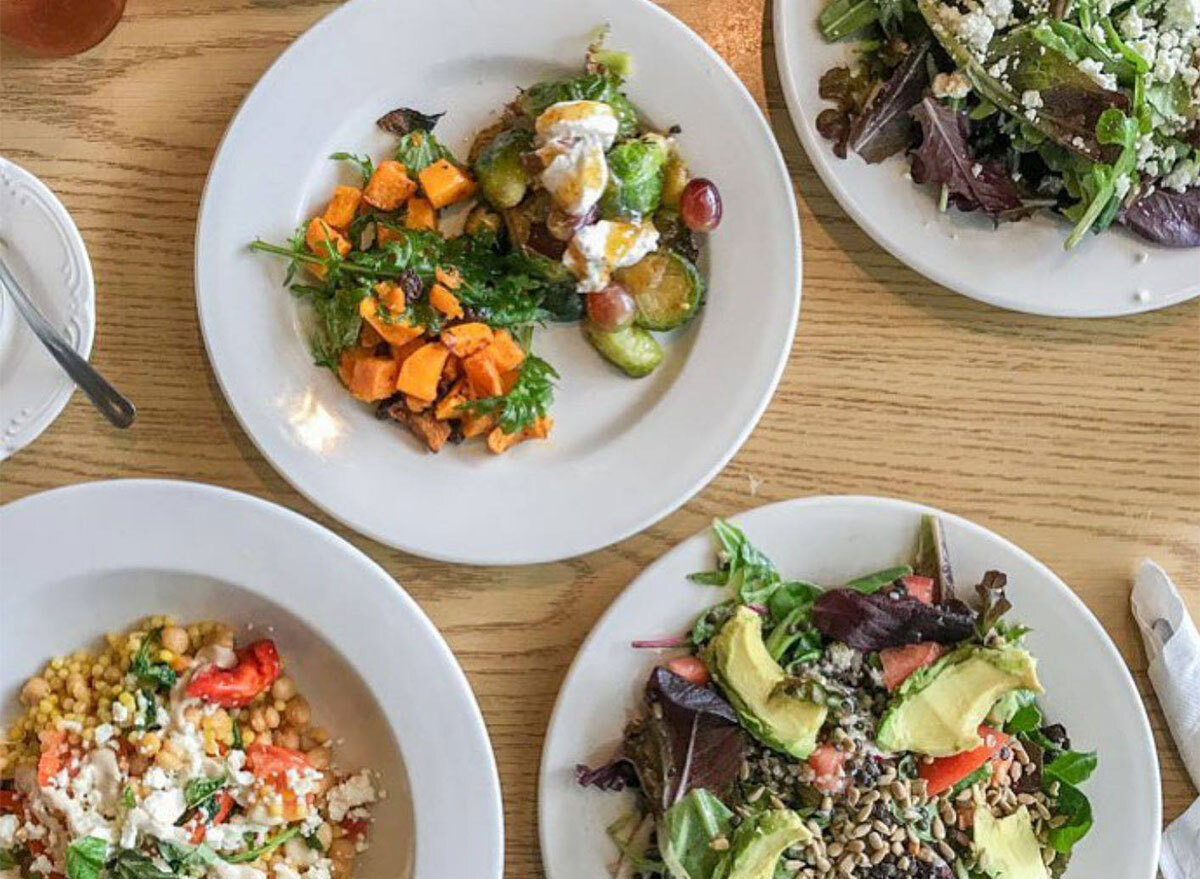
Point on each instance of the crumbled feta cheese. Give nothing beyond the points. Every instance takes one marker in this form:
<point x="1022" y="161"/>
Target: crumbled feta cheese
<point x="976" y="169"/>
<point x="1132" y="26"/>
<point x="1032" y="99"/>
<point x="120" y="714"/>
<point x="1183" y="14"/>
<point x="1183" y="176"/>
<point x="41" y="864"/>
<point x="951" y="85"/>
<point x="975" y="29"/>
<point x="8" y="830"/>
<point x="104" y="733"/>
<point x="1095" y="70"/>
<point x="357" y="790"/>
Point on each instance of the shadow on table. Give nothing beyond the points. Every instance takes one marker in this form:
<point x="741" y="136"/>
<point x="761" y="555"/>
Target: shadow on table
<point x="818" y="206"/>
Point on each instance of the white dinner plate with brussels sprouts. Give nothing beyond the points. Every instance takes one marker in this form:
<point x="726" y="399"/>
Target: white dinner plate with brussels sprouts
<point x="1108" y="824"/>
<point x="1019" y="265"/>
<point x="664" y="293"/>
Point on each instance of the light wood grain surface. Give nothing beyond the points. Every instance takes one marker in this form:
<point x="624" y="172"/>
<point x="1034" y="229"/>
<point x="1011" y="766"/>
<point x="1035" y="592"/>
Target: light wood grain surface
<point x="1080" y="441"/>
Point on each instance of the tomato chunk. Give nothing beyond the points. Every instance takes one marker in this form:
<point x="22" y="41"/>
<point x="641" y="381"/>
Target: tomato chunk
<point x="257" y="668"/>
<point x="829" y="765"/>
<point x="945" y="772"/>
<point x="53" y="756"/>
<point x="224" y="807"/>
<point x="900" y="662"/>
<point x="270" y="761"/>
<point x="11" y="802"/>
<point x="690" y="668"/>
<point x="920" y="588"/>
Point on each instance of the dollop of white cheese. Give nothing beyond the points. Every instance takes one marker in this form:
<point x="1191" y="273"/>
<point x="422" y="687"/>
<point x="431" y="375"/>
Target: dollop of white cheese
<point x="357" y="790"/>
<point x="597" y="250"/>
<point x="572" y="138"/>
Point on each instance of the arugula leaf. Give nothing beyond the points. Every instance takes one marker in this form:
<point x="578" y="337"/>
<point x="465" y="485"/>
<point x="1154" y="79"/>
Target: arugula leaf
<point x="419" y="149"/>
<point x="364" y="164"/>
<point x="529" y="399"/>
<point x="131" y="864"/>
<point x="1071" y="767"/>
<point x="200" y="794"/>
<point x="686" y="833"/>
<point x="85" y="857"/>
<point x="266" y="848"/>
<point x="871" y="583"/>
<point x="1022" y="714"/>
<point x="127" y="798"/>
<point x="155" y="675"/>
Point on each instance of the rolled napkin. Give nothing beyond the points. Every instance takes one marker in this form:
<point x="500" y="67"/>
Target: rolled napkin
<point x="1173" y="650"/>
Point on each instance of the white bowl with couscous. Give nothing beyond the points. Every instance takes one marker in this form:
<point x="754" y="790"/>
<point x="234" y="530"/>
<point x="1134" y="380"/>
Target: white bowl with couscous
<point x="195" y="683"/>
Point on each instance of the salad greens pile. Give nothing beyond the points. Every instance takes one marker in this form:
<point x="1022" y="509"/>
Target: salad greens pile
<point x="807" y="729"/>
<point x="1088" y="108"/>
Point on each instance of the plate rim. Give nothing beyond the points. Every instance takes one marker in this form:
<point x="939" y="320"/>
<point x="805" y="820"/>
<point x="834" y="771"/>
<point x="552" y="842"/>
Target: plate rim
<point x="243" y="509"/>
<point x="899" y="505"/>
<point x="361" y="523"/>
<point x="57" y="401"/>
<point x="928" y="268"/>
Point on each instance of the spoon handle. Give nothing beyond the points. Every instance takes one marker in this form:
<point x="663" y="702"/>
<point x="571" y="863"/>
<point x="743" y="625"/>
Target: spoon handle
<point x="112" y="405"/>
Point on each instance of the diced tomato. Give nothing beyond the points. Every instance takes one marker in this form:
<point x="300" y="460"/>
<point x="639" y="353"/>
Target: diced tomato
<point x="257" y="668"/>
<point x="267" y="761"/>
<point x="690" y="668"/>
<point x="224" y="807"/>
<point x="53" y="756"/>
<point x="356" y="828"/>
<point x="920" y="588"/>
<point x="198" y="833"/>
<point x="11" y="802"/>
<point x="900" y="662"/>
<point x="828" y="763"/>
<point x="945" y="772"/>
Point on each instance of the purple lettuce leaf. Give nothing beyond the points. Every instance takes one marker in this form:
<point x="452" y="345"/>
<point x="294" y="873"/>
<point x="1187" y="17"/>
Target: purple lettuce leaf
<point x="615" y="775"/>
<point x="944" y="159"/>
<point x="874" y="622"/>
<point x="1167" y="217"/>
<point x="689" y="738"/>
<point x="885" y="126"/>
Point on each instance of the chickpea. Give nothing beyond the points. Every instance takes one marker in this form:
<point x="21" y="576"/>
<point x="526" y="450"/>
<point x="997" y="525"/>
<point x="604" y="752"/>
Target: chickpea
<point x="175" y="639"/>
<point x="298" y="713"/>
<point x="222" y="636"/>
<point x="35" y="690"/>
<point x="168" y="760"/>
<point x="319" y="757"/>
<point x="287" y="739"/>
<point x="319" y="734"/>
<point x="272" y="716"/>
<point x="258" y="720"/>
<point x="193" y="715"/>
<point x="284" y="688"/>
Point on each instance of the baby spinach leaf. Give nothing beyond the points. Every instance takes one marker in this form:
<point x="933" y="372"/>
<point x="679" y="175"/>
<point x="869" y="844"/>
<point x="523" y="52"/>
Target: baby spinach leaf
<point x="686" y="833"/>
<point x="85" y="857"/>
<point x="1025" y="718"/>
<point x="1072" y="803"/>
<point x="1071" y="767"/>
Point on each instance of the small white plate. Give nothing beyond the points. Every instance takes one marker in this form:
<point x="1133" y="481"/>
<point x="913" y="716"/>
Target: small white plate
<point x="93" y="558"/>
<point x="47" y="256"/>
<point x="830" y="540"/>
<point x="1020" y="266"/>
<point x="624" y="452"/>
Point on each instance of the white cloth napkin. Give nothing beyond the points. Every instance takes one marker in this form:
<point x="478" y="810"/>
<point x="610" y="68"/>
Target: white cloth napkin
<point x="1173" y="649"/>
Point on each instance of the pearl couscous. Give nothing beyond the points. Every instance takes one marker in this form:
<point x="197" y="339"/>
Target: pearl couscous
<point x="174" y="752"/>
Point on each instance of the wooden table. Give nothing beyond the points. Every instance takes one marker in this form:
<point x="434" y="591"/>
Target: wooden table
<point x="1078" y="440"/>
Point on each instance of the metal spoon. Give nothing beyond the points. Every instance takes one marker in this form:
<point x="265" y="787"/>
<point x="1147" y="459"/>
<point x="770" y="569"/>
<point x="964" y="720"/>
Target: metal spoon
<point x="105" y="397"/>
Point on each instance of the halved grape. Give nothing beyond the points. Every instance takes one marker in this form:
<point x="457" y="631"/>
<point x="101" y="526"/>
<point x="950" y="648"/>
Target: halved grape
<point x="612" y="308"/>
<point x="700" y="205"/>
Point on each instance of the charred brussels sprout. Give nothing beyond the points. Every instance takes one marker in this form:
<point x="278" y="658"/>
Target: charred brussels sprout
<point x="635" y="182"/>
<point x="503" y="180"/>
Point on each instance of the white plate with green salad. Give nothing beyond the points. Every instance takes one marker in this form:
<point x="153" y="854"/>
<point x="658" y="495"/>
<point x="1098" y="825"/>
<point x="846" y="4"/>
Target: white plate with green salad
<point x="1041" y="157"/>
<point x="560" y="251"/>
<point x="849" y="686"/>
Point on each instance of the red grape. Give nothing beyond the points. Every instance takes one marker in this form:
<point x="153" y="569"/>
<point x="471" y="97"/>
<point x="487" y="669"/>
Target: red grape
<point x="612" y="308"/>
<point x="700" y="205"/>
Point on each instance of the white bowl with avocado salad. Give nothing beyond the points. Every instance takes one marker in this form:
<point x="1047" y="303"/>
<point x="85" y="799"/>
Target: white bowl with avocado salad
<point x="923" y="700"/>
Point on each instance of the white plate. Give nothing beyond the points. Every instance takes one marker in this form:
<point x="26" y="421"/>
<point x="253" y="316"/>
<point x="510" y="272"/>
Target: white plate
<point x="89" y="559"/>
<point x="46" y="254"/>
<point x="830" y="540"/>
<point x="1020" y="266"/>
<point x="624" y="453"/>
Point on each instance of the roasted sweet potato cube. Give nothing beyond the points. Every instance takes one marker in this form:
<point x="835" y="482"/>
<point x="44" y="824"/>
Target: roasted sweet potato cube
<point x="416" y="405"/>
<point x="420" y="214"/>
<point x="448" y="278"/>
<point x="422" y="370"/>
<point x="400" y="353"/>
<point x="505" y="351"/>
<point x="445" y="302"/>
<point x="499" y="441"/>
<point x="447" y="407"/>
<point x="453" y="368"/>
<point x="465" y="339"/>
<point x="393" y="332"/>
<point x="477" y="425"/>
<point x="483" y="376"/>
<point x="368" y="336"/>
<point x="374" y="378"/>
<point x="389" y="187"/>
<point x="385" y="233"/>
<point x="319" y="232"/>
<point x="392" y="295"/>
<point x="540" y="429"/>
<point x="342" y="207"/>
<point x="445" y="183"/>
<point x="347" y="361"/>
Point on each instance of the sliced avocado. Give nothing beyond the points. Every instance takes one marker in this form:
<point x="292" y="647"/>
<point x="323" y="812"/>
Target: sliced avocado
<point x="1007" y="847"/>
<point x="632" y="349"/>
<point x="666" y="287"/>
<point x="759" y="842"/>
<point x="938" y="710"/>
<point x="750" y="678"/>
